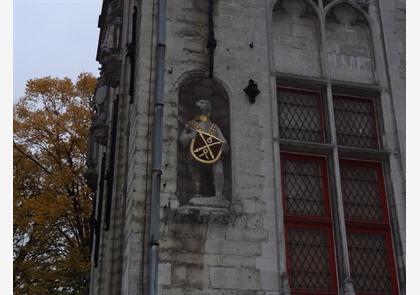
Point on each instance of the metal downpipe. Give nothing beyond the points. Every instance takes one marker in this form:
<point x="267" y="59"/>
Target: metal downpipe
<point x="157" y="149"/>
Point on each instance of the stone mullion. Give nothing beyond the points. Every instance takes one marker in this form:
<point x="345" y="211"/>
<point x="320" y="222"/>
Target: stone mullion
<point x="279" y="219"/>
<point x="346" y="284"/>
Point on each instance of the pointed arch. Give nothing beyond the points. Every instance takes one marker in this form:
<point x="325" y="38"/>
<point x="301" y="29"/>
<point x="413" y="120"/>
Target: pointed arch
<point x="349" y="43"/>
<point x="354" y="5"/>
<point x="296" y="37"/>
<point x="274" y="3"/>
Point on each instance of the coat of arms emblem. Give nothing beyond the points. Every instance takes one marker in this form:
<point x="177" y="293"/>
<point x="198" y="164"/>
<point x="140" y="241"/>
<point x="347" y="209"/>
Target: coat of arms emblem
<point x="206" y="147"/>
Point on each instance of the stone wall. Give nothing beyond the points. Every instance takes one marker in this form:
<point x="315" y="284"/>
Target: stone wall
<point x="235" y="255"/>
<point x="392" y="16"/>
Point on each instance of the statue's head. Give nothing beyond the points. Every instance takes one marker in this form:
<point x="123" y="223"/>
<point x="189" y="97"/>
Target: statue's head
<point x="204" y="107"/>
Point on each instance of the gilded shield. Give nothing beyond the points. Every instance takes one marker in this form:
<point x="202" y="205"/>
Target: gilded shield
<point x="206" y="148"/>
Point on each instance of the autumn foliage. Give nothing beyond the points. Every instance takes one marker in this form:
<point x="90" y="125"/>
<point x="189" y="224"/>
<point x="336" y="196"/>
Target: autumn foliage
<point x="52" y="202"/>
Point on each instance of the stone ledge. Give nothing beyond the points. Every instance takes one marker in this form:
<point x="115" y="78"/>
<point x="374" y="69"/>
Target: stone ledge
<point x="204" y="214"/>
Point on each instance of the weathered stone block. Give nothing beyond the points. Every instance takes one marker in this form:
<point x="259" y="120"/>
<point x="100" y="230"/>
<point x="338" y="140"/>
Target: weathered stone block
<point x="234" y="278"/>
<point x="197" y="277"/>
<point x="233" y="248"/>
<point x="164" y="274"/>
<point x="244" y="234"/>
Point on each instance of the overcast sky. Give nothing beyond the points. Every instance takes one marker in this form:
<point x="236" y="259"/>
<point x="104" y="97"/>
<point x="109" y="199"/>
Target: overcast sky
<point x="54" y="38"/>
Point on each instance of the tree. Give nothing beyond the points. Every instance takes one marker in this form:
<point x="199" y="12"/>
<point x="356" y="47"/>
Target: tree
<point x="52" y="202"/>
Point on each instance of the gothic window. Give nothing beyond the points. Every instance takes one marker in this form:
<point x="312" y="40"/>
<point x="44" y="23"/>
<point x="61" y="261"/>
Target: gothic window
<point x="308" y="225"/>
<point x="336" y="221"/>
<point x="307" y="204"/>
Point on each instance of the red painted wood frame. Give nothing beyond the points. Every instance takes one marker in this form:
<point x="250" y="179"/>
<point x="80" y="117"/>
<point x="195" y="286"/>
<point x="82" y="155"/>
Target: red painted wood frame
<point x="375" y="227"/>
<point x="318" y="93"/>
<point x="323" y="223"/>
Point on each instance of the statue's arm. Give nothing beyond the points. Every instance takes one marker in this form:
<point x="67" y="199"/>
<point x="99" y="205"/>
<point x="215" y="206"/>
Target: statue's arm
<point x="225" y="146"/>
<point x="186" y="136"/>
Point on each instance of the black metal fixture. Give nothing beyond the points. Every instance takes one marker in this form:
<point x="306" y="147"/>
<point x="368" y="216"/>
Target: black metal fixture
<point x="211" y="42"/>
<point x="252" y="90"/>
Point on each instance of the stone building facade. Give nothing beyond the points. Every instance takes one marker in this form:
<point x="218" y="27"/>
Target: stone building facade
<point x="315" y="172"/>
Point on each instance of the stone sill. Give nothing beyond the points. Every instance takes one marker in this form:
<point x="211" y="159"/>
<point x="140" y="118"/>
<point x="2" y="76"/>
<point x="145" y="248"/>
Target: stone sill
<point x="203" y="214"/>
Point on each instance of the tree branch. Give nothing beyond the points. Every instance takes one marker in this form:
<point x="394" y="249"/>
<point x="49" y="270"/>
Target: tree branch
<point x="65" y="235"/>
<point x="30" y="158"/>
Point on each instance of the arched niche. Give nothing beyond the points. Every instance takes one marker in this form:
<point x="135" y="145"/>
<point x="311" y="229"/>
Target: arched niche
<point x="296" y="38"/>
<point x="349" y="45"/>
<point x="192" y="89"/>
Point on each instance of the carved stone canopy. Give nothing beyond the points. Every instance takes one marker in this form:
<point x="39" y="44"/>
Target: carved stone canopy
<point x="99" y="127"/>
<point x="100" y="131"/>
<point x="111" y="66"/>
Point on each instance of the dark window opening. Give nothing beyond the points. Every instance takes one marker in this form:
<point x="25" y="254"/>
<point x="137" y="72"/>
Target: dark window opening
<point x="98" y="220"/>
<point x="110" y="171"/>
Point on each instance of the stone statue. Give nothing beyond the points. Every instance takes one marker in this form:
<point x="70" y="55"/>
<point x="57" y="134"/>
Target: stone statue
<point x="206" y="144"/>
<point x="99" y="125"/>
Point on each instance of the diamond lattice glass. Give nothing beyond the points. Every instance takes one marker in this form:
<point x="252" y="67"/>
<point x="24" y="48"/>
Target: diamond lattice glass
<point x="303" y="187"/>
<point x="308" y="259"/>
<point x="300" y="115"/>
<point x="369" y="263"/>
<point x="361" y="195"/>
<point x="355" y="122"/>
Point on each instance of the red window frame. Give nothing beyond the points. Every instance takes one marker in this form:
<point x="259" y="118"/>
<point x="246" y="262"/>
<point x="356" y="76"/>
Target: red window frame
<point x="390" y="256"/>
<point x="331" y="258"/>
<point x="323" y="223"/>
<point x="375" y="227"/>
<point x="381" y="189"/>
<point x="325" y="188"/>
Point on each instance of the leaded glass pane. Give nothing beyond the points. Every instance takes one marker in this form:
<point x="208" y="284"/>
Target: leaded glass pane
<point x="361" y="195"/>
<point x="355" y="122"/>
<point x="369" y="263"/>
<point x="303" y="187"/>
<point x="300" y="115"/>
<point x="309" y="259"/>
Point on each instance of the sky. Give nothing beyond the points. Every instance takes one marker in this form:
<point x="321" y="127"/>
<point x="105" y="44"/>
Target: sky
<point x="54" y="38"/>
